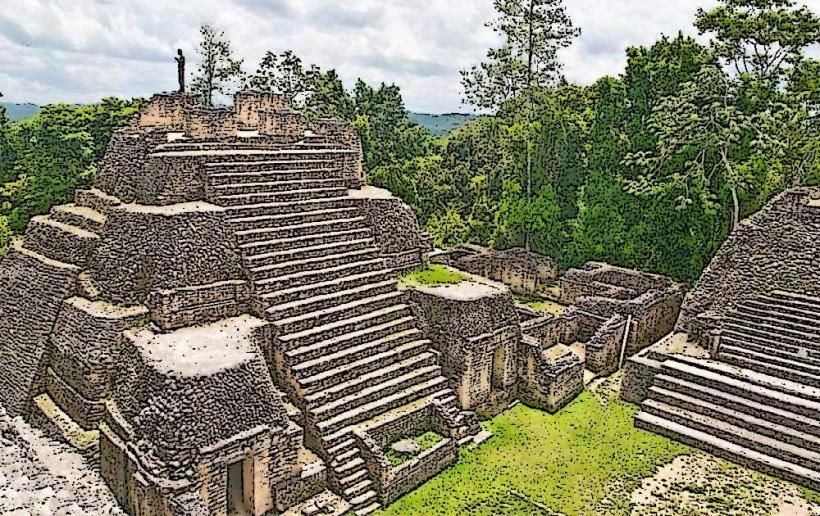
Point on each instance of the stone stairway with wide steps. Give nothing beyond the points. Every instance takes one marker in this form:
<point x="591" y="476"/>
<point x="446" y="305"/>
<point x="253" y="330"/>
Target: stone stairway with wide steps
<point x="765" y="422"/>
<point x="68" y="234"/>
<point x="776" y="334"/>
<point x="350" y="348"/>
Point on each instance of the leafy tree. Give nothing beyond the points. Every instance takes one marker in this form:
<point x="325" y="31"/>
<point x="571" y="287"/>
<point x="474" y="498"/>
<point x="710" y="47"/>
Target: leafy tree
<point x="283" y="74"/>
<point x="219" y="71"/>
<point x="327" y="95"/>
<point x="760" y="37"/>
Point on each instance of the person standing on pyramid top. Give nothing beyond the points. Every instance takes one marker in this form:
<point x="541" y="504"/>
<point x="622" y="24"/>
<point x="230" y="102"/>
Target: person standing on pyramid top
<point x="180" y="59"/>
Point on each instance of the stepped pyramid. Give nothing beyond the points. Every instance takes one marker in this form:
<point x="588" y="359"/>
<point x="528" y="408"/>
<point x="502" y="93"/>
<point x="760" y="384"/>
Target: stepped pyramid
<point x="224" y="297"/>
<point x="741" y="376"/>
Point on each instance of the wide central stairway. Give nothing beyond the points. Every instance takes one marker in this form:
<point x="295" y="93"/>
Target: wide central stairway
<point x="757" y="402"/>
<point x="351" y="351"/>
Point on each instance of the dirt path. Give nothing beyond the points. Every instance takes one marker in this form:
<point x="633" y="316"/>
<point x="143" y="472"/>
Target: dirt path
<point x="702" y="484"/>
<point x="40" y="477"/>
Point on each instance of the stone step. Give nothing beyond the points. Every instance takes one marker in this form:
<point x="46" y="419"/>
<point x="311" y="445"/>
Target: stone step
<point x="60" y="241"/>
<point x="349" y="466"/>
<point x="762" y="335"/>
<point x="319" y="262"/>
<point x="327" y="287"/>
<point x="762" y="344"/>
<point x="301" y="230"/>
<point x="321" y="302"/>
<point x="230" y="159"/>
<point x="341" y="447"/>
<point x="811" y="333"/>
<point x="342" y="458"/>
<point x="271" y="245"/>
<point x="353" y="308"/>
<point x="371" y="392"/>
<point x="388" y="408"/>
<point x="82" y="217"/>
<point x="287" y="207"/>
<point x="264" y="259"/>
<point x="763" y="410"/>
<point x="247" y="199"/>
<point x="382" y="404"/>
<point x="729" y="415"/>
<point x="285" y="219"/>
<point x="804" y="362"/>
<point x="277" y="186"/>
<point x="729" y="450"/>
<point x="311" y="277"/>
<point x="753" y="385"/>
<point x="801" y="301"/>
<point x="733" y="433"/>
<point x="805" y="319"/>
<point x="284" y="171"/>
<point x="358" y="488"/>
<point x="343" y="378"/>
<point x="341" y="327"/>
<point x="355" y="338"/>
<point x="96" y="200"/>
<point x="767" y="365"/>
<point x="369" y="509"/>
<point x="341" y="353"/>
<point x="362" y="503"/>
<point x="349" y="480"/>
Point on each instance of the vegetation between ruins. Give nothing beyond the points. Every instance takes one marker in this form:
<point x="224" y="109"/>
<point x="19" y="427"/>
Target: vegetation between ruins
<point x="434" y="275"/>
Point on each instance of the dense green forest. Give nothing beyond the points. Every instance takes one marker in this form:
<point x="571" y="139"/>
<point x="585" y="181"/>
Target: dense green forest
<point x="650" y="169"/>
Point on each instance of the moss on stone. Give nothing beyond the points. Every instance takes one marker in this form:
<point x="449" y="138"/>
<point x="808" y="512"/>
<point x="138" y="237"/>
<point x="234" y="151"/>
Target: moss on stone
<point x="434" y="275"/>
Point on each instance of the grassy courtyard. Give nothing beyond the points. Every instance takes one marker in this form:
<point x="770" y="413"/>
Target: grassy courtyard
<point x="434" y="275"/>
<point x="587" y="459"/>
<point x="590" y="459"/>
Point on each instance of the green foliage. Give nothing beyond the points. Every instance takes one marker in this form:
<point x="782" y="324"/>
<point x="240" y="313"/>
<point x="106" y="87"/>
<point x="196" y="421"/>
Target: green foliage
<point x="283" y="74"/>
<point x="434" y="275"/>
<point x="45" y="158"/>
<point x="219" y="70"/>
<point x="586" y="459"/>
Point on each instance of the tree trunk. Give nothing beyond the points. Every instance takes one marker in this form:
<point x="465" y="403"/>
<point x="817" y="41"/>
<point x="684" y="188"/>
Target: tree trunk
<point x="530" y="53"/>
<point x="735" y="208"/>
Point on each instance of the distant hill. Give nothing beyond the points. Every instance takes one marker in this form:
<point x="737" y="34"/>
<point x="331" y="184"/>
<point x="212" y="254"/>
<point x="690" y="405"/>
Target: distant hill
<point x="441" y="125"/>
<point x="17" y="112"/>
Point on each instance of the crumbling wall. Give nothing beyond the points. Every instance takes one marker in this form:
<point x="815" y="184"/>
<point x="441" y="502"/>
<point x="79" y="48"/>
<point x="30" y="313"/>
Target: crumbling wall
<point x="603" y="349"/>
<point x="33" y="289"/>
<point x="141" y="246"/>
<point x="550" y="378"/>
<point x="775" y="249"/>
<point x="394" y="226"/>
<point x="522" y="271"/>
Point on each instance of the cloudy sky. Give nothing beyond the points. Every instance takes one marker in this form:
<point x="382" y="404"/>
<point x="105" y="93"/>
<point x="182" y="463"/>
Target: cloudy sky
<point x="83" y="50"/>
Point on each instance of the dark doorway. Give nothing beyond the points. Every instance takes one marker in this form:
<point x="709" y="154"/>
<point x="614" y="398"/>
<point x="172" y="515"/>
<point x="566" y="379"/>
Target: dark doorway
<point x="499" y="367"/>
<point x="236" y="490"/>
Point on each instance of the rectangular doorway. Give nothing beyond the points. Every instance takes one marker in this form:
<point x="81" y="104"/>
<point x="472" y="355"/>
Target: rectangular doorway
<point x="499" y="367"/>
<point x="236" y="495"/>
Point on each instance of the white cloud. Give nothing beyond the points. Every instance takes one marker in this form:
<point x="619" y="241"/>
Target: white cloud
<point x="83" y="50"/>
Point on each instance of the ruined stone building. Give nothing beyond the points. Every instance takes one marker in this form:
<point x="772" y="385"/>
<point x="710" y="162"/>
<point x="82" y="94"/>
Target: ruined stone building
<point x="740" y="376"/>
<point x="222" y="307"/>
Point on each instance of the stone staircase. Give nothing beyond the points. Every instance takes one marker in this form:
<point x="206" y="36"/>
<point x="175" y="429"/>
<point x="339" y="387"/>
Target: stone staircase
<point x="760" y="421"/>
<point x="777" y="334"/>
<point x="68" y="234"/>
<point x="350" y="349"/>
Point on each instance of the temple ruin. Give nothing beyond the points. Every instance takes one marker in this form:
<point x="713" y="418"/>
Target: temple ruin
<point x="740" y="375"/>
<point x="218" y="325"/>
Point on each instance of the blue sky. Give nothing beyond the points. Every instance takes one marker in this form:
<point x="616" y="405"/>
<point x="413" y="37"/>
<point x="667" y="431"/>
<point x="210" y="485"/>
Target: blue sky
<point x="83" y="50"/>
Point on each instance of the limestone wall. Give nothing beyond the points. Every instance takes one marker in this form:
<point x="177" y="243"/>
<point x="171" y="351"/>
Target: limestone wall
<point x="33" y="289"/>
<point x="550" y="378"/>
<point x="141" y="246"/>
<point x="520" y="270"/>
<point x="394" y="226"/>
<point x="777" y="248"/>
<point x="604" y="348"/>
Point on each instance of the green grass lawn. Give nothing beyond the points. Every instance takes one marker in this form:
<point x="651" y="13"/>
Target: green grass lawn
<point x="424" y="441"/>
<point x="434" y="275"/>
<point x="544" y="306"/>
<point x="586" y="459"/>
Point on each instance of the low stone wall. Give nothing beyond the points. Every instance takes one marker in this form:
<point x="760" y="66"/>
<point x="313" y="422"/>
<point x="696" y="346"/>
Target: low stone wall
<point x="598" y="279"/>
<point x="522" y="271"/>
<point x="33" y="290"/>
<point x="550" y="378"/>
<point x="774" y="249"/>
<point x="395" y="481"/>
<point x="603" y="349"/>
<point x="475" y="328"/>
<point x="203" y="304"/>
<point x="395" y="228"/>
<point x="141" y="245"/>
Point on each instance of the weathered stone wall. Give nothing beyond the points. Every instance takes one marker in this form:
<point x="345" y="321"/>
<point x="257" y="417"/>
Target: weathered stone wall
<point x="603" y="349"/>
<point x="549" y="378"/>
<point x="395" y="228"/>
<point x="122" y="170"/>
<point x="775" y="249"/>
<point x="469" y="323"/>
<point x="520" y="270"/>
<point x="141" y="246"/>
<point x="250" y="105"/>
<point x="33" y="289"/>
<point x="201" y="304"/>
